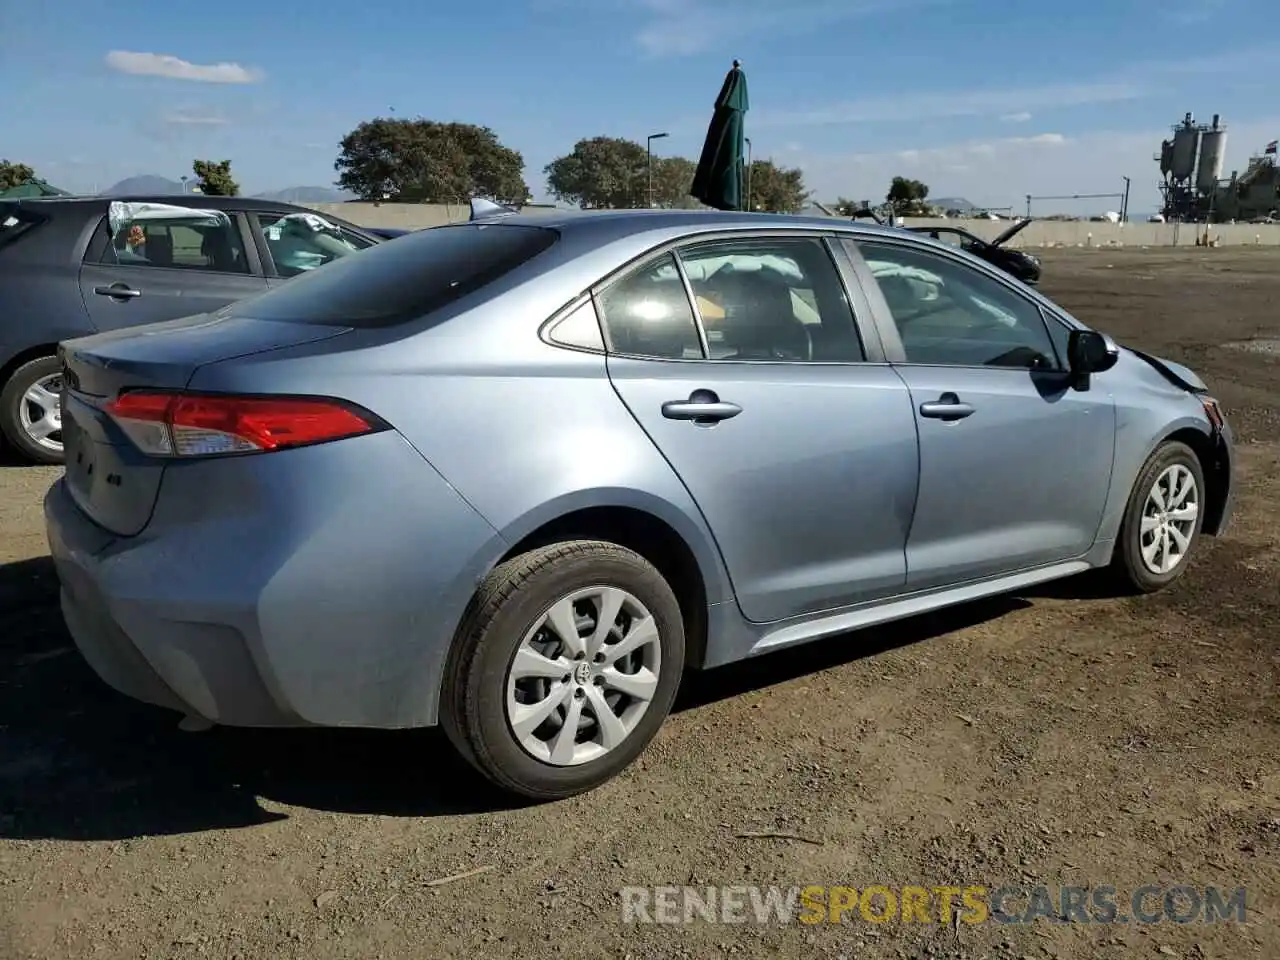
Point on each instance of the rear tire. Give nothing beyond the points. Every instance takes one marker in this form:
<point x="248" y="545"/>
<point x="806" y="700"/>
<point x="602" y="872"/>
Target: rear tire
<point x="20" y="416"/>
<point x="536" y="697"/>
<point x="1162" y="520"/>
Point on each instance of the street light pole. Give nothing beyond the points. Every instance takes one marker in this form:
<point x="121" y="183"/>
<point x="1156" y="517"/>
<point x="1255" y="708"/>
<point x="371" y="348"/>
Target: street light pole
<point x="747" y="140"/>
<point x="648" y="161"/>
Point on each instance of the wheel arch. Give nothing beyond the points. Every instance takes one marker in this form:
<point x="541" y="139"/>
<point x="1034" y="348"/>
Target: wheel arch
<point x="648" y="534"/>
<point x="1216" y="470"/>
<point x="10" y="366"/>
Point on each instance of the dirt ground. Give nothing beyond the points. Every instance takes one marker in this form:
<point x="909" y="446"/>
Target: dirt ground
<point x="1061" y="737"/>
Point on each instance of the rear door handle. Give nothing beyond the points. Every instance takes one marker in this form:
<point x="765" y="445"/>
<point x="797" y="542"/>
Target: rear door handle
<point x="703" y="406"/>
<point x="118" y="291"/>
<point x="946" y="407"/>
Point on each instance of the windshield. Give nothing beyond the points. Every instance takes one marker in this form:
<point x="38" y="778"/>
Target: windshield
<point x="393" y="283"/>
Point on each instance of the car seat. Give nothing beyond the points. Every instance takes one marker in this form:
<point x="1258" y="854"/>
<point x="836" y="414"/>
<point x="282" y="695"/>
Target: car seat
<point x="160" y="249"/>
<point x="216" y="247"/>
<point x="760" y="321"/>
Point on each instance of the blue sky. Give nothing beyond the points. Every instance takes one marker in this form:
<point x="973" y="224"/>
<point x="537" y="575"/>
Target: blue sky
<point x="983" y="99"/>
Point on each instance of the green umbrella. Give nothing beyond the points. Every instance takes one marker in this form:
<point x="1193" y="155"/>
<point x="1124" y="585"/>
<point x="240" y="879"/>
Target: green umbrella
<point x="718" y="179"/>
<point x="30" y="190"/>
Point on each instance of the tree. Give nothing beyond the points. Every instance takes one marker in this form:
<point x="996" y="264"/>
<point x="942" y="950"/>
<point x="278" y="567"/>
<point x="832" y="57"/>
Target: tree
<point x="428" y="162"/>
<point x="907" y="196"/>
<point x="215" y="178"/>
<point x="602" y="172"/>
<point x="776" y="189"/>
<point x="14" y="174"/>
<point x="672" y="179"/>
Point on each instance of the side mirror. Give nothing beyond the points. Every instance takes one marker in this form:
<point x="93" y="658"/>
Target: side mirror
<point x="1091" y="352"/>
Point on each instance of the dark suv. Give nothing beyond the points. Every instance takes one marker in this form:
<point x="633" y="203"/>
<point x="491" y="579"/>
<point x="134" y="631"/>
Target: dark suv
<point x="72" y="266"/>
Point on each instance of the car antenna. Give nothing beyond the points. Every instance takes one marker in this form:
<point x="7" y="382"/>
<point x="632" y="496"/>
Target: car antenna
<point x="482" y="209"/>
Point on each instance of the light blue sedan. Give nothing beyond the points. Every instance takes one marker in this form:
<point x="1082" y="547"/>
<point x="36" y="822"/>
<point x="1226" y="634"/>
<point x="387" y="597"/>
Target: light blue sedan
<point x="515" y="476"/>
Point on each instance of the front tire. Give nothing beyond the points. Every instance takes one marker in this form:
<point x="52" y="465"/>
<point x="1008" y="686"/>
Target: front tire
<point x="1162" y="520"/>
<point x="563" y="669"/>
<point x="31" y="410"/>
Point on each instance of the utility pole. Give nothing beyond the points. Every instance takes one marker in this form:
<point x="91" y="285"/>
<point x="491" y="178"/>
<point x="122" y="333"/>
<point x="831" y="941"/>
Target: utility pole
<point x="648" y="162"/>
<point x="1124" y="204"/>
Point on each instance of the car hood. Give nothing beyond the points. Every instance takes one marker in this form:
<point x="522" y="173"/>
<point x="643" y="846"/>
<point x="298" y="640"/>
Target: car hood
<point x="1175" y="373"/>
<point x="1007" y="235"/>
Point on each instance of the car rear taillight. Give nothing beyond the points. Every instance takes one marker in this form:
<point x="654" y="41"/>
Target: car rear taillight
<point x="169" y="424"/>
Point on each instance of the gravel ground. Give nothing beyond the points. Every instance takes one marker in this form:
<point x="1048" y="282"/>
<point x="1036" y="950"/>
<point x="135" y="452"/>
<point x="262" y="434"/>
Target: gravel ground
<point x="1060" y="737"/>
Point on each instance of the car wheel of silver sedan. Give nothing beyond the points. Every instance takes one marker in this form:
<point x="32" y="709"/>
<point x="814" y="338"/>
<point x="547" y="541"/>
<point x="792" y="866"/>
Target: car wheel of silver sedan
<point x="1163" y="518"/>
<point x="565" y="668"/>
<point x="31" y="410"/>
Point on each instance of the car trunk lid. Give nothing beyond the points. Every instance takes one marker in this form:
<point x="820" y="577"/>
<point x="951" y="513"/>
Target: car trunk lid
<point x="112" y="481"/>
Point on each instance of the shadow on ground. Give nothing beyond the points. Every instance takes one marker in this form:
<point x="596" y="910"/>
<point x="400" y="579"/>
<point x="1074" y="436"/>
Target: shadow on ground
<point x="79" y="761"/>
<point x="9" y="457"/>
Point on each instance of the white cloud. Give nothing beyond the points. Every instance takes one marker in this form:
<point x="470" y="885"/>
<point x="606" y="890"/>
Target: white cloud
<point x="193" y="118"/>
<point x="1001" y="172"/>
<point x="913" y="107"/>
<point x="174" y="68"/>
<point x="1012" y="103"/>
<point x="673" y="28"/>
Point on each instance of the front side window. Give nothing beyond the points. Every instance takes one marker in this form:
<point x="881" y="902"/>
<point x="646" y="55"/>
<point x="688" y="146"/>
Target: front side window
<point x="647" y="314"/>
<point x="171" y="236"/>
<point x="299" y="242"/>
<point x="772" y="299"/>
<point x="947" y="312"/>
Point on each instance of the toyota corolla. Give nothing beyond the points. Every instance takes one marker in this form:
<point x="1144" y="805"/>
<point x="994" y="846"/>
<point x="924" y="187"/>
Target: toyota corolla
<point x="514" y="477"/>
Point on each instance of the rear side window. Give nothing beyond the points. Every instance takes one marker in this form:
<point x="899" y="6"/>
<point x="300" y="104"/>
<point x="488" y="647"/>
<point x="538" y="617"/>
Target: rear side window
<point x="15" y="221"/>
<point x="393" y="283"/>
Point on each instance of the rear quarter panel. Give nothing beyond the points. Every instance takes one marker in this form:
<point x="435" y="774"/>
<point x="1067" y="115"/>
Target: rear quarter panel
<point x="526" y="432"/>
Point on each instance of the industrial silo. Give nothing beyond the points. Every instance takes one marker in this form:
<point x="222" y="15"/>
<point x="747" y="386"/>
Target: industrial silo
<point x="1166" y="157"/>
<point x="1186" y="144"/>
<point x="1213" y="151"/>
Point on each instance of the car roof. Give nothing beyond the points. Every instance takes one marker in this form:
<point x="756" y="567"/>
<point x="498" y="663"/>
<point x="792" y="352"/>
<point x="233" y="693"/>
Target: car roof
<point x="196" y="200"/>
<point x="605" y="226"/>
<point x="98" y="205"/>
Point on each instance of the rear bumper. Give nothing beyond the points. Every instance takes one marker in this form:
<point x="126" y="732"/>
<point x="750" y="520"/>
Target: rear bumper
<point x="315" y="587"/>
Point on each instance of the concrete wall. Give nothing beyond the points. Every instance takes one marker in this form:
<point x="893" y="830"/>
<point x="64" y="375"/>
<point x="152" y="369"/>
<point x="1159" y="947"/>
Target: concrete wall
<point x="1045" y="233"/>
<point x="401" y="216"/>
<point x="1068" y="233"/>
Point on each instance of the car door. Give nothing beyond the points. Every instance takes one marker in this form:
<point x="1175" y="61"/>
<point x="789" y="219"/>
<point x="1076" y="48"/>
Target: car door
<point x="1015" y="462"/>
<point x="741" y="360"/>
<point x="293" y="242"/>
<point x="167" y="262"/>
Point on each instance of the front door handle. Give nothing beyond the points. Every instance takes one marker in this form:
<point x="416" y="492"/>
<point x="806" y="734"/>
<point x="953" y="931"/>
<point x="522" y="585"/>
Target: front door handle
<point x="703" y="406"/>
<point x="946" y="407"/>
<point x="118" y="291"/>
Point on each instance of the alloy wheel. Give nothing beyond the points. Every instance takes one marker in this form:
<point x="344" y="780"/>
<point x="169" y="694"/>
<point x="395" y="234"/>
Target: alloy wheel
<point x="583" y="676"/>
<point x="1169" y="519"/>
<point x="40" y="413"/>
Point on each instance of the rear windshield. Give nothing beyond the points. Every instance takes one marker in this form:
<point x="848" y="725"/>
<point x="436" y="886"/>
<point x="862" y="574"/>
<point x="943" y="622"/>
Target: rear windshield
<point x="15" y="221"/>
<point x="403" y="279"/>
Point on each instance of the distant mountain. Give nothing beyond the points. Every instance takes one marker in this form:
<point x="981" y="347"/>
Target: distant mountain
<point x="147" y="183"/>
<point x="307" y="195"/>
<point x="953" y="203"/>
